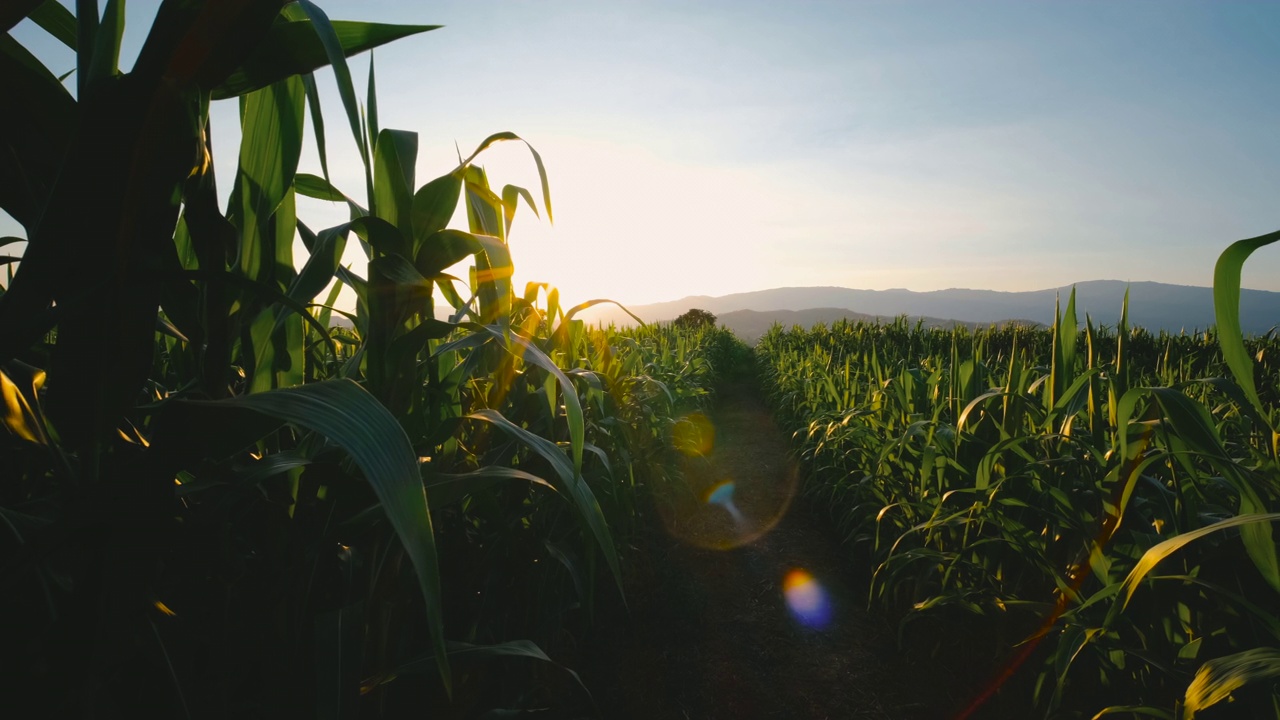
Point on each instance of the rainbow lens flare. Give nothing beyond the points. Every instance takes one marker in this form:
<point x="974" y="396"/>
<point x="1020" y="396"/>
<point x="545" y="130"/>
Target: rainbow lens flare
<point x="730" y="490"/>
<point x="807" y="600"/>
<point x="722" y="495"/>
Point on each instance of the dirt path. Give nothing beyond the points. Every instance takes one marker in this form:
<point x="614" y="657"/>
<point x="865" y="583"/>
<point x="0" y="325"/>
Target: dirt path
<point x="711" y="634"/>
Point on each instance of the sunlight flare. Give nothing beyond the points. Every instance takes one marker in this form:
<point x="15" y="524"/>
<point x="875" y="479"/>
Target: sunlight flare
<point x="807" y="599"/>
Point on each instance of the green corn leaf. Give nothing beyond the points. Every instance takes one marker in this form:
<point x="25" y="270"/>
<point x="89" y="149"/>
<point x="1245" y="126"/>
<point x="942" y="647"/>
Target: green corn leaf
<point x="1193" y="424"/>
<point x="345" y="413"/>
<point x="380" y="235"/>
<point x="335" y="51"/>
<point x="511" y="195"/>
<point x="466" y="655"/>
<point x="412" y="342"/>
<point x="326" y="310"/>
<point x="568" y="483"/>
<point x="964" y="415"/>
<point x="106" y="46"/>
<point x="537" y="159"/>
<point x="311" y="186"/>
<point x="317" y="120"/>
<point x="484" y="209"/>
<point x="1160" y="551"/>
<point x="444" y="249"/>
<point x="326" y="257"/>
<point x="1064" y="359"/>
<point x="446" y="489"/>
<point x="263" y="292"/>
<point x="433" y="207"/>
<point x="277" y="340"/>
<point x="371" y="117"/>
<point x="270" y="148"/>
<point x="395" y="155"/>
<point x="568" y="316"/>
<point x="294" y="48"/>
<point x="531" y="354"/>
<point x="1218" y="678"/>
<point x="1226" y="309"/>
<point x="57" y="21"/>
<point x="402" y="273"/>
<point x="86" y="35"/>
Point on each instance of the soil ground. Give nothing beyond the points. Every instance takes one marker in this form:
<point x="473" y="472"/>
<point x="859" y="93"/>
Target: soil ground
<point x="710" y="634"/>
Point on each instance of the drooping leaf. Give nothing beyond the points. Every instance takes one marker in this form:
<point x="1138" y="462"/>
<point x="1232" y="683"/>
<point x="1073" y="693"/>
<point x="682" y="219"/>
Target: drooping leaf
<point x="447" y="489"/>
<point x="567" y="482"/>
<point x="568" y="316"/>
<point x="530" y="353"/>
<point x="345" y="413"/>
<point x="293" y="48"/>
<point x="537" y="159"/>
<point x="511" y="195"/>
<point x="1218" y="678"/>
<point x="1226" y="309"/>
<point x="1160" y="551"/>
<point x="466" y="655"/>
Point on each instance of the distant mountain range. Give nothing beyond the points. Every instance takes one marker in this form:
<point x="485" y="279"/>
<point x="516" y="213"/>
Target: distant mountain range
<point x="1155" y="306"/>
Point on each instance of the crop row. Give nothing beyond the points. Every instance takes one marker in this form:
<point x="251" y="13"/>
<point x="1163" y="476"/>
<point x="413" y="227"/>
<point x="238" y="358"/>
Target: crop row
<point x="1099" y="502"/>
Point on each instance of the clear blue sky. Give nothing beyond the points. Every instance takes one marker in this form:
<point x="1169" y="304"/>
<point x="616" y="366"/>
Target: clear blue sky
<point x="716" y="147"/>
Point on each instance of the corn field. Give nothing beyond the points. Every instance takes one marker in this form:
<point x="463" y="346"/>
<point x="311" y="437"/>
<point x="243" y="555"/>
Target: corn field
<point x="1100" y="500"/>
<point x="218" y="501"/>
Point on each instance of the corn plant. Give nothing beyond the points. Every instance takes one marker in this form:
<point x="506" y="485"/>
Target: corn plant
<point x="219" y="502"/>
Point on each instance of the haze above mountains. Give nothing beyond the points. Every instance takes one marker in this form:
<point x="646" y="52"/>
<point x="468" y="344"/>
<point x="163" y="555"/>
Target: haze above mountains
<point x="1152" y="305"/>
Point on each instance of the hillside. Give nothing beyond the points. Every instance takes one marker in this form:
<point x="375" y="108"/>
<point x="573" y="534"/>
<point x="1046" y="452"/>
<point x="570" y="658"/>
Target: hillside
<point x="1156" y="306"/>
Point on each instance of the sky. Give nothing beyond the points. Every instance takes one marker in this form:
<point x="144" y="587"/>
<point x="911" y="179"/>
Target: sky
<point x="706" y="148"/>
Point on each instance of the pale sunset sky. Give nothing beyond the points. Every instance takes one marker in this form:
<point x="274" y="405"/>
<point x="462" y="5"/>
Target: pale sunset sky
<point x="718" y="147"/>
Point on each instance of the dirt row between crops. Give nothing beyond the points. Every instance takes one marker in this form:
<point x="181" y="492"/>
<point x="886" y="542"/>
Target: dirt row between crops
<point x="710" y="634"/>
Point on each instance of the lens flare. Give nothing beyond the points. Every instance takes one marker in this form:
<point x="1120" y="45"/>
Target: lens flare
<point x="694" y="435"/>
<point x="722" y="495"/>
<point x="731" y="486"/>
<point x="806" y="599"/>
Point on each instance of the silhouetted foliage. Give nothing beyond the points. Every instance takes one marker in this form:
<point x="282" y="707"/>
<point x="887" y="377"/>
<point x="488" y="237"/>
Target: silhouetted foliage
<point x="696" y="318"/>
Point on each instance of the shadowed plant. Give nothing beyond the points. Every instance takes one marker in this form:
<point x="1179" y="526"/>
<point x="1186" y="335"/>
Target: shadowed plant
<point x="218" y="502"/>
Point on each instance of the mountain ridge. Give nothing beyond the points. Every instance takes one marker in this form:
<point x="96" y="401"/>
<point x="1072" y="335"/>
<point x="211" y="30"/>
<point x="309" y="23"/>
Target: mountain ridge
<point x="1152" y="305"/>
